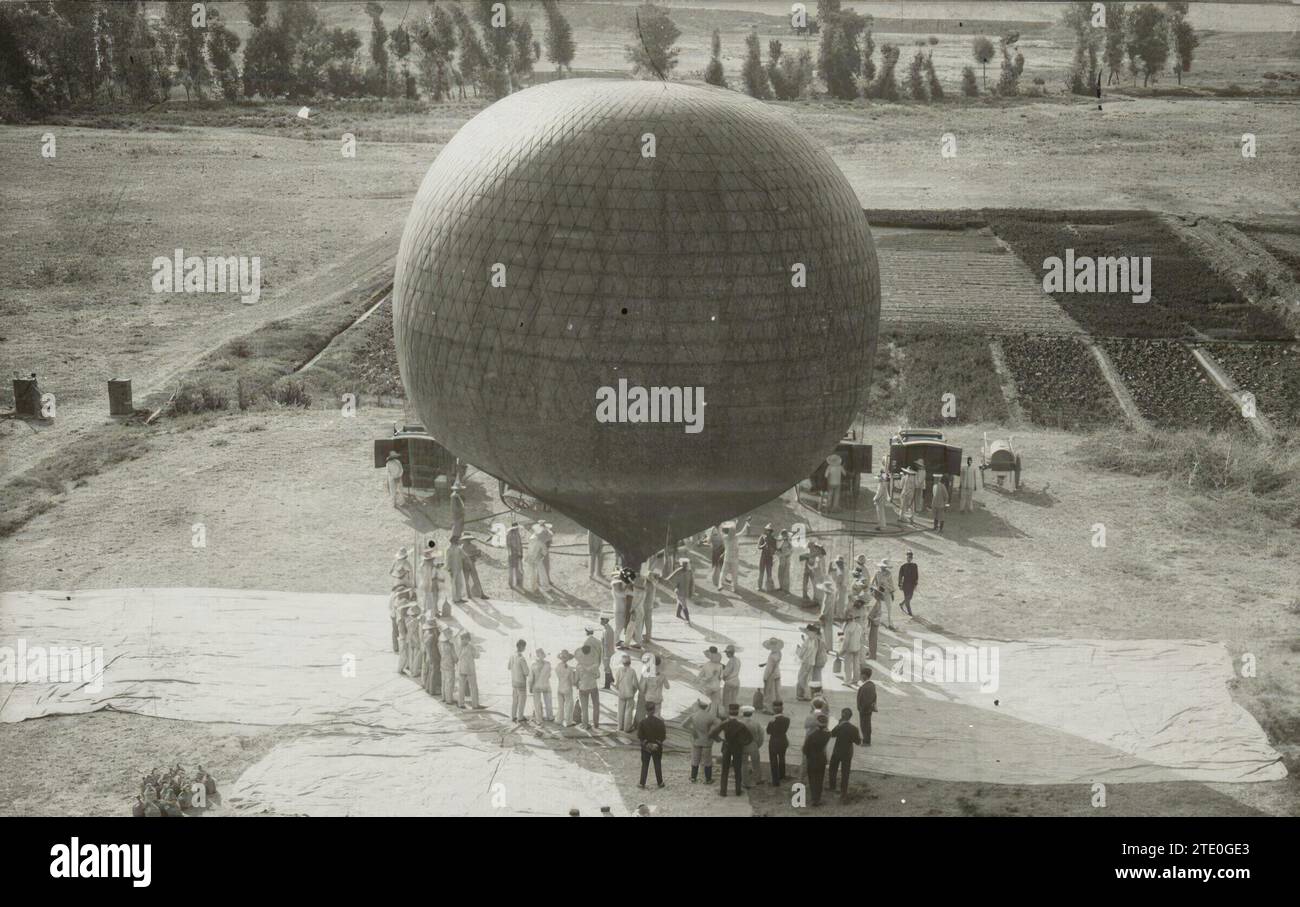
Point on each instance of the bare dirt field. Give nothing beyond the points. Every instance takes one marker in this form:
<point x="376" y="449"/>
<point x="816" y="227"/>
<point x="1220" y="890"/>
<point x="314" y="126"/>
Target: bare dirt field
<point x="290" y="501"/>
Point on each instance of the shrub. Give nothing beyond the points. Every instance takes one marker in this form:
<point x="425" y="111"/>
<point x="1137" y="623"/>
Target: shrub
<point x="240" y="348"/>
<point x="191" y="399"/>
<point x="290" y="392"/>
<point x="916" y="77"/>
<point x="969" y="87"/>
<point x="936" y="90"/>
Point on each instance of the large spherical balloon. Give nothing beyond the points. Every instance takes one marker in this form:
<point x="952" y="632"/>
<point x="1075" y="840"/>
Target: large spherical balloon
<point x="652" y="306"/>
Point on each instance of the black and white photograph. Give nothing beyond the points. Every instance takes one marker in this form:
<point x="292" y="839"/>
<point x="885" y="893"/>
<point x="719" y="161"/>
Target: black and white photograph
<point x="693" y="408"/>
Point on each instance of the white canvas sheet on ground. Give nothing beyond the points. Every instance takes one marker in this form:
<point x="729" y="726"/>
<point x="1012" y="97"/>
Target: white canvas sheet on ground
<point x="1063" y="711"/>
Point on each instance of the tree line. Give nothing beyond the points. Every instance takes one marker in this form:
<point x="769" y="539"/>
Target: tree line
<point x="63" y="54"/>
<point x="1138" y="38"/>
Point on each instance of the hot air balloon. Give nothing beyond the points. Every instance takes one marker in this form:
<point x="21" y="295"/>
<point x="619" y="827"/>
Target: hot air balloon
<point x="651" y="306"/>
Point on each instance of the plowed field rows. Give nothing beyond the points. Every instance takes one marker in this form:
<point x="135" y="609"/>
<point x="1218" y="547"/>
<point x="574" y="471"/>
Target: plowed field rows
<point x="1169" y="386"/>
<point x="953" y="279"/>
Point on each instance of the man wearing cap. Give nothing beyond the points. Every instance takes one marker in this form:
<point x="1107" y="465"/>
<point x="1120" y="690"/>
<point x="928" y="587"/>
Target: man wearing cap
<point x="846" y="738"/>
<point x="881" y="500"/>
<point x="909" y="578"/>
<point x="735" y="737"/>
<point x="566" y="678"/>
<point x="854" y="632"/>
<point x="683" y="582"/>
<point x="468" y="677"/>
<point x="654" y="681"/>
<point x="866" y="705"/>
<point x="430" y="588"/>
<point x="652" y="733"/>
<point x="767" y="545"/>
<point x="710" y="679"/>
<point x="626" y="684"/>
<point x="939" y="500"/>
<point x="814" y="758"/>
<point x="753" y="751"/>
<point x="731" y="677"/>
<point x="778" y="742"/>
<point x="784" y="549"/>
<point x="518" y="667"/>
<point x="701" y="723"/>
<point x="609" y="641"/>
<point x="515" y="555"/>
<point x="539" y="682"/>
<point x="772" y="673"/>
<point x="969" y="475"/>
<point x="595" y="555"/>
<point x="590" y="658"/>
<point x="393" y="475"/>
<point x="457" y="510"/>
<point x="447" y="664"/>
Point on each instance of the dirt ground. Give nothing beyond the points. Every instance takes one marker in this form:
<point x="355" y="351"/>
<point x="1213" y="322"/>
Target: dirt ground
<point x="290" y="501"/>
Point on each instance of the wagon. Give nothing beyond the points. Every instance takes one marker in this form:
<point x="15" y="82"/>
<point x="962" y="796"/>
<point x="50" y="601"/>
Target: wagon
<point x="423" y="459"/>
<point x="1001" y="458"/>
<point x="928" y="446"/>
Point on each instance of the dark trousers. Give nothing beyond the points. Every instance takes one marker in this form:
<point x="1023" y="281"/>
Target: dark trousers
<point x="844" y="763"/>
<point x="776" y="758"/>
<point x="816" y="778"/>
<point x="394" y="623"/>
<point x="906" y="605"/>
<point x="731" y="761"/>
<point x="646" y="758"/>
<point x="864" y="725"/>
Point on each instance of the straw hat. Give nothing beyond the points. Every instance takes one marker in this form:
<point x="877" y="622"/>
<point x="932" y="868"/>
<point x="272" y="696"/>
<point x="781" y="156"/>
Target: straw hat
<point x="564" y="655"/>
<point x="773" y="644"/>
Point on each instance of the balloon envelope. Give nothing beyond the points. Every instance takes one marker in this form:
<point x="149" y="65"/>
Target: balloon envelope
<point x="584" y="247"/>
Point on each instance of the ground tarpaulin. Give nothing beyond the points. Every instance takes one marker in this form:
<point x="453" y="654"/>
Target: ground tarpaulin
<point x="1055" y="711"/>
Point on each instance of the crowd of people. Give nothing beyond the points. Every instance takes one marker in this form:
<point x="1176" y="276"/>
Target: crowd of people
<point x="173" y="792"/>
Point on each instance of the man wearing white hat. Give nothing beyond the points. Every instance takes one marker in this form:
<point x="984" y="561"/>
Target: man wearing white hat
<point x="548" y="538"/>
<point x="906" y="494"/>
<point x="922" y="484"/>
<point x="533" y="563"/>
<point x="539" y="683"/>
<point x="447" y="664"/>
<point x="595" y="555"/>
<point x="710" y="679"/>
<point x="881" y="500"/>
<point x="752" y="760"/>
<point x="626" y="684"/>
<point x="465" y="672"/>
<point x="854" y="634"/>
<point x="456" y="572"/>
<point x="430" y="588"/>
<point x="393" y="475"/>
<point x="969" y="475"/>
<point x="566" y="679"/>
<point x="731" y="677"/>
<point x="731" y="553"/>
<point x="683" y="582"/>
<point x="772" y="673"/>
<point x="834" y="478"/>
<point x="883" y="581"/>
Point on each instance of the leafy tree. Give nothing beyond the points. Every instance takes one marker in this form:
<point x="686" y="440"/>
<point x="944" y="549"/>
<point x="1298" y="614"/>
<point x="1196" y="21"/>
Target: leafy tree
<point x="1114" y="53"/>
<point x="1183" y="37"/>
<point x="1149" y="41"/>
<point x="474" y="65"/>
<point x="222" y="46"/>
<point x="559" y="37"/>
<point x="522" y="62"/>
<point x="378" y="49"/>
<point x="916" y="77"/>
<point x="868" y="51"/>
<point x="1009" y="80"/>
<point x="982" y="51"/>
<point x="653" y="52"/>
<point x="753" y="73"/>
<point x="400" y="42"/>
<point x="713" y="73"/>
<point x="932" y="80"/>
<point x="839" y="57"/>
<point x="969" y="87"/>
<point x="258" y="11"/>
<point x="885" y="87"/>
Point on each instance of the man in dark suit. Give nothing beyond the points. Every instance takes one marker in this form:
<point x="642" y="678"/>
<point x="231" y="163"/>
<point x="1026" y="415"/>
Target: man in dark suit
<point x="846" y="738"/>
<point x="735" y="737"/>
<point x="777" y="742"/>
<point x="866" y="705"/>
<point x="908" y="578"/>
<point x="814" y="758"/>
<point x="652" y="733"/>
